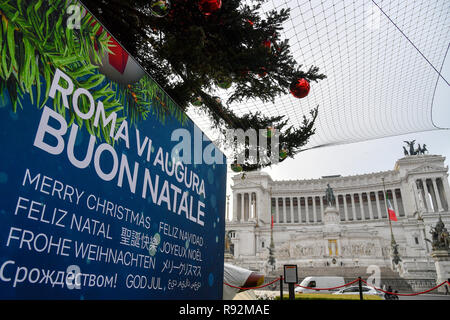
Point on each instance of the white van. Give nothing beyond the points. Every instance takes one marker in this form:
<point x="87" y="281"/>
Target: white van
<point x="319" y="282"/>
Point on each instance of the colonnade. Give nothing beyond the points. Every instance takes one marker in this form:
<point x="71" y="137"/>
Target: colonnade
<point x="245" y="205"/>
<point x="431" y="195"/>
<point x="369" y="205"/>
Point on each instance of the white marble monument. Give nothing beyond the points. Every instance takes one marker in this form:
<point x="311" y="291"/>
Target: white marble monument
<point x="352" y="232"/>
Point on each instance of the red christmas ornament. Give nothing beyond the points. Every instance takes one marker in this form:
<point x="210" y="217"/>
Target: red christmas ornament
<point x="267" y="44"/>
<point x="208" y="7"/>
<point x="119" y="58"/>
<point x="262" y="72"/>
<point x="117" y="65"/>
<point x="299" y="88"/>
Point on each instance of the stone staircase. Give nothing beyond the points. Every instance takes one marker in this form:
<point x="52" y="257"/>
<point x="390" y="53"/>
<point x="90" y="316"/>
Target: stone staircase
<point x="388" y="276"/>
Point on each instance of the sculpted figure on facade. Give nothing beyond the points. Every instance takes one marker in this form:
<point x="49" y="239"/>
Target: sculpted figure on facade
<point x="439" y="236"/>
<point x="369" y="249"/>
<point x="283" y="252"/>
<point x="410" y="144"/>
<point x="344" y="250"/>
<point x="412" y="151"/>
<point x="330" y="198"/>
<point x="320" y="251"/>
<point x="308" y="251"/>
<point x="421" y="150"/>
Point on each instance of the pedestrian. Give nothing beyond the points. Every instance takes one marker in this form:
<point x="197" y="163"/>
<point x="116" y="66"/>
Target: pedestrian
<point x="395" y="296"/>
<point x="446" y="290"/>
<point x="388" y="294"/>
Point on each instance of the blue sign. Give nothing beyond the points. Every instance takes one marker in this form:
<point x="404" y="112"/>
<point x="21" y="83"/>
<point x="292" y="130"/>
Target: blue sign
<point x="107" y="190"/>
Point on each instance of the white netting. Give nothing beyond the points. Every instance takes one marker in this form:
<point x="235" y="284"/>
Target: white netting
<point x="382" y="60"/>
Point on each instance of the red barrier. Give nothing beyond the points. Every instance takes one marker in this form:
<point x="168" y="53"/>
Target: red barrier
<point x="347" y="284"/>
<point x="318" y="289"/>
<point x="262" y="286"/>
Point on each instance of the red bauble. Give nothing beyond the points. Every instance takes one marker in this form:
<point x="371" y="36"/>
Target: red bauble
<point x="299" y="88"/>
<point x="117" y="65"/>
<point x="208" y="7"/>
<point x="262" y="72"/>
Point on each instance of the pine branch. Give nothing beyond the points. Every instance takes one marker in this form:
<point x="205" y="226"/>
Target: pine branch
<point x="35" y="42"/>
<point x="187" y="52"/>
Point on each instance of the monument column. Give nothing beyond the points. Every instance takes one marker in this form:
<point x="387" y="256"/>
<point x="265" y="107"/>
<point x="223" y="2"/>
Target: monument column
<point x="369" y="204"/>
<point x="261" y="209"/>
<point x="252" y="206"/>
<point x="344" y="197"/>
<point x="286" y="213"/>
<point x="446" y="189"/>
<point x="377" y="199"/>
<point x="314" y="209"/>
<point x="418" y="196"/>
<point x="284" y="209"/>
<point x="321" y="207"/>
<point x="395" y="203"/>
<point x="249" y="206"/>
<point x="277" y="209"/>
<point x="299" y="210"/>
<point x="361" y="205"/>
<point x="258" y="199"/>
<point x="291" y="202"/>
<point x="436" y="194"/>
<point x="427" y="193"/>
<point x="353" y="206"/>
<point x="235" y="206"/>
<point x="227" y="212"/>
<point x="307" y="209"/>
<point x="242" y="217"/>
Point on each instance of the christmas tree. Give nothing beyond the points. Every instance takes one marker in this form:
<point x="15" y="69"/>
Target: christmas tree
<point x="191" y="48"/>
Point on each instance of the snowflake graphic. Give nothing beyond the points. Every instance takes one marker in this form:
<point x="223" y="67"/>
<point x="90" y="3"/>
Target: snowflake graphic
<point x="154" y="242"/>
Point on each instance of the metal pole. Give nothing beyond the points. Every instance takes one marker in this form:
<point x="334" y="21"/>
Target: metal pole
<point x="360" y="289"/>
<point x="281" y="287"/>
<point x="395" y="256"/>
<point x="447" y="286"/>
<point x="291" y="291"/>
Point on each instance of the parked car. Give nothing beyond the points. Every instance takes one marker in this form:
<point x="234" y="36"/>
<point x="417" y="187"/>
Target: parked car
<point x="319" y="282"/>
<point x="355" y="290"/>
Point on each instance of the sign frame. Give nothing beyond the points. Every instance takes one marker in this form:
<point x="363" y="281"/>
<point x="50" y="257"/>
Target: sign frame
<point x="289" y="276"/>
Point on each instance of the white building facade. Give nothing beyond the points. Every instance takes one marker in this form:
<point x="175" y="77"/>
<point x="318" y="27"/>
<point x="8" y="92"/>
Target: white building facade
<point x="356" y="233"/>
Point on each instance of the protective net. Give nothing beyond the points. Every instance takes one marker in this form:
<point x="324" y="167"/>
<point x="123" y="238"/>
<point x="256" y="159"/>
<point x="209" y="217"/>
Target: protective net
<point x="383" y="60"/>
